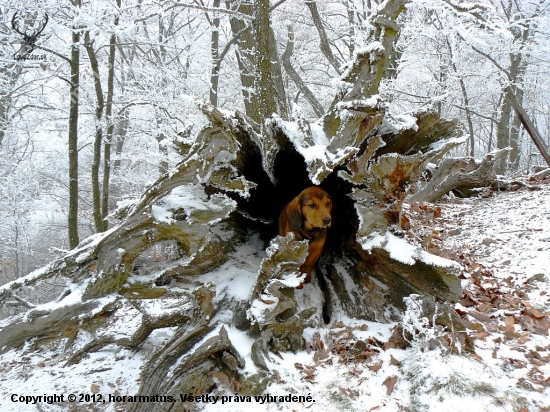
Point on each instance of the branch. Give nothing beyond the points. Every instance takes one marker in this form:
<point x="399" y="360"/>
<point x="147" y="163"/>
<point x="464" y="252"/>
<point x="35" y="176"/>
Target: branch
<point x="54" y="52"/>
<point x="325" y="46"/>
<point x="276" y="5"/>
<point x="285" y="57"/>
<point x="528" y="124"/>
<point x="460" y="174"/>
<point x="231" y="43"/>
<point x="487" y="56"/>
<point x="474" y="12"/>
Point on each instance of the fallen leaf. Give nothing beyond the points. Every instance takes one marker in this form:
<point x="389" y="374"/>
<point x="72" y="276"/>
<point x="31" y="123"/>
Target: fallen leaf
<point x="389" y="383"/>
<point x="394" y="361"/>
<point x="535" y="313"/>
<point x="223" y="378"/>
<point x="375" y="367"/>
<point x="482" y="317"/>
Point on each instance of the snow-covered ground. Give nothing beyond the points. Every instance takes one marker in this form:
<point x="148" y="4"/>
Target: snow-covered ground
<point x="503" y="244"/>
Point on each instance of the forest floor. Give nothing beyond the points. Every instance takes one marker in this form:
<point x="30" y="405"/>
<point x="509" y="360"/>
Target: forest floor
<point x="502" y="241"/>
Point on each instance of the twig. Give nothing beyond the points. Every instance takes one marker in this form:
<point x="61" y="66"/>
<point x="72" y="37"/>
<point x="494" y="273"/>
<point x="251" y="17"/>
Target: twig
<point x="523" y="230"/>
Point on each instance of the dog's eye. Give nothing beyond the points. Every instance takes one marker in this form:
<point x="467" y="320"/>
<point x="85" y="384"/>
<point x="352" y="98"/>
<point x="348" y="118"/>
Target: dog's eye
<point x="312" y="205"/>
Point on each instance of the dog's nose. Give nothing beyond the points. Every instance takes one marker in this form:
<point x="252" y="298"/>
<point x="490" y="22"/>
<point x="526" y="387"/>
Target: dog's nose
<point x="326" y="220"/>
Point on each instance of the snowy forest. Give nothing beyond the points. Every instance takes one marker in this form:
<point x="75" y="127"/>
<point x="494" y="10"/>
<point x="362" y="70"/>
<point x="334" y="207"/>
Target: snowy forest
<point x="148" y="148"/>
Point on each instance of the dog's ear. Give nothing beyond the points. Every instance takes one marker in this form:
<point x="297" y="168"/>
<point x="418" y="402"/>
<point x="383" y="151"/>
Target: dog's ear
<point x="294" y="214"/>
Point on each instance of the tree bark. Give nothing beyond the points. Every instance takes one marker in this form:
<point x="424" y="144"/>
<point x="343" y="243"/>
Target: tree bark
<point x="264" y="97"/>
<point x="214" y="50"/>
<point x="461" y="175"/>
<point x="96" y="193"/>
<point x="323" y="38"/>
<point x="285" y="57"/>
<point x="528" y="124"/>
<point x="110" y="126"/>
<point x="253" y="75"/>
<point x="73" y="137"/>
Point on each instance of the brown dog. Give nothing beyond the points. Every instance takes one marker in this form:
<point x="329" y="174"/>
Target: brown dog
<point x="308" y="217"/>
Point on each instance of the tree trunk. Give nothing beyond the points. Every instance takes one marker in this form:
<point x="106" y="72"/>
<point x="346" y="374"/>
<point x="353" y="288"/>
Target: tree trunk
<point x="529" y="126"/>
<point x="73" y="137"/>
<point x="259" y="40"/>
<point x="323" y="39"/>
<point x="214" y="50"/>
<point x="96" y="194"/>
<point x="264" y="97"/>
<point x="460" y="175"/>
<point x="110" y="127"/>
<point x="293" y="74"/>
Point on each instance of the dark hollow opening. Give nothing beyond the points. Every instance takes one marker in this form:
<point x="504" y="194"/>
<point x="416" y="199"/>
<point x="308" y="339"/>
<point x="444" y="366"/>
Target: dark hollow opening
<point x="267" y="200"/>
<point x="260" y="212"/>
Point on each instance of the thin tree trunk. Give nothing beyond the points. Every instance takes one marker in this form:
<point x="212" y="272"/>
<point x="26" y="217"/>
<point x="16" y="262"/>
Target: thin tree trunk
<point x="529" y="126"/>
<point x="121" y="130"/>
<point x="96" y="194"/>
<point x="245" y="59"/>
<point x="110" y="126"/>
<point x="323" y="39"/>
<point x="351" y="20"/>
<point x="493" y="121"/>
<point x="317" y="108"/>
<point x="515" y="128"/>
<point x="503" y="130"/>
<point x="215" y="51"/>
<point x="73" y="138"/>
<point x="465" y="99"/>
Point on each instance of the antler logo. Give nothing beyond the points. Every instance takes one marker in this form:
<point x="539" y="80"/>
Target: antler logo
<point x="30" y="32"/>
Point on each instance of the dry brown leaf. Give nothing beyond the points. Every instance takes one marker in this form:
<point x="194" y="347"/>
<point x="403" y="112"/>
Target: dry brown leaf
<point x="535" y="313"/>
<point x="484" y="307"/>
<point x="375" y="367"/>
<point x="368" y="353"/>
<point x="481" y="336"/>
<point x="475" y="356"/>
<point x="482" y="317"/>
<point x="223" y="378"/>
<point x="478" y="327"/>
<point x="523" y="339"/>
<point x="394" y="361"/>
<point x="389" y="383"/>
<point x="516" y="363"/>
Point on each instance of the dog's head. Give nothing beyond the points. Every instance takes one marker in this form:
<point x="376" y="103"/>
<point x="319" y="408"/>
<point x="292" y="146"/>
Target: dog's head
<point x="310" y="210"/>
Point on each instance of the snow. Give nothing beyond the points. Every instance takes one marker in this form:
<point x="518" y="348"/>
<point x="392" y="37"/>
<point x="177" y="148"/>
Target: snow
<point x="192" y="199"/>
<point x="329" y="371"/>
<point x="402" y="251"/>
<point x="397" y="123"/>
<point x="313" y="144"/>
